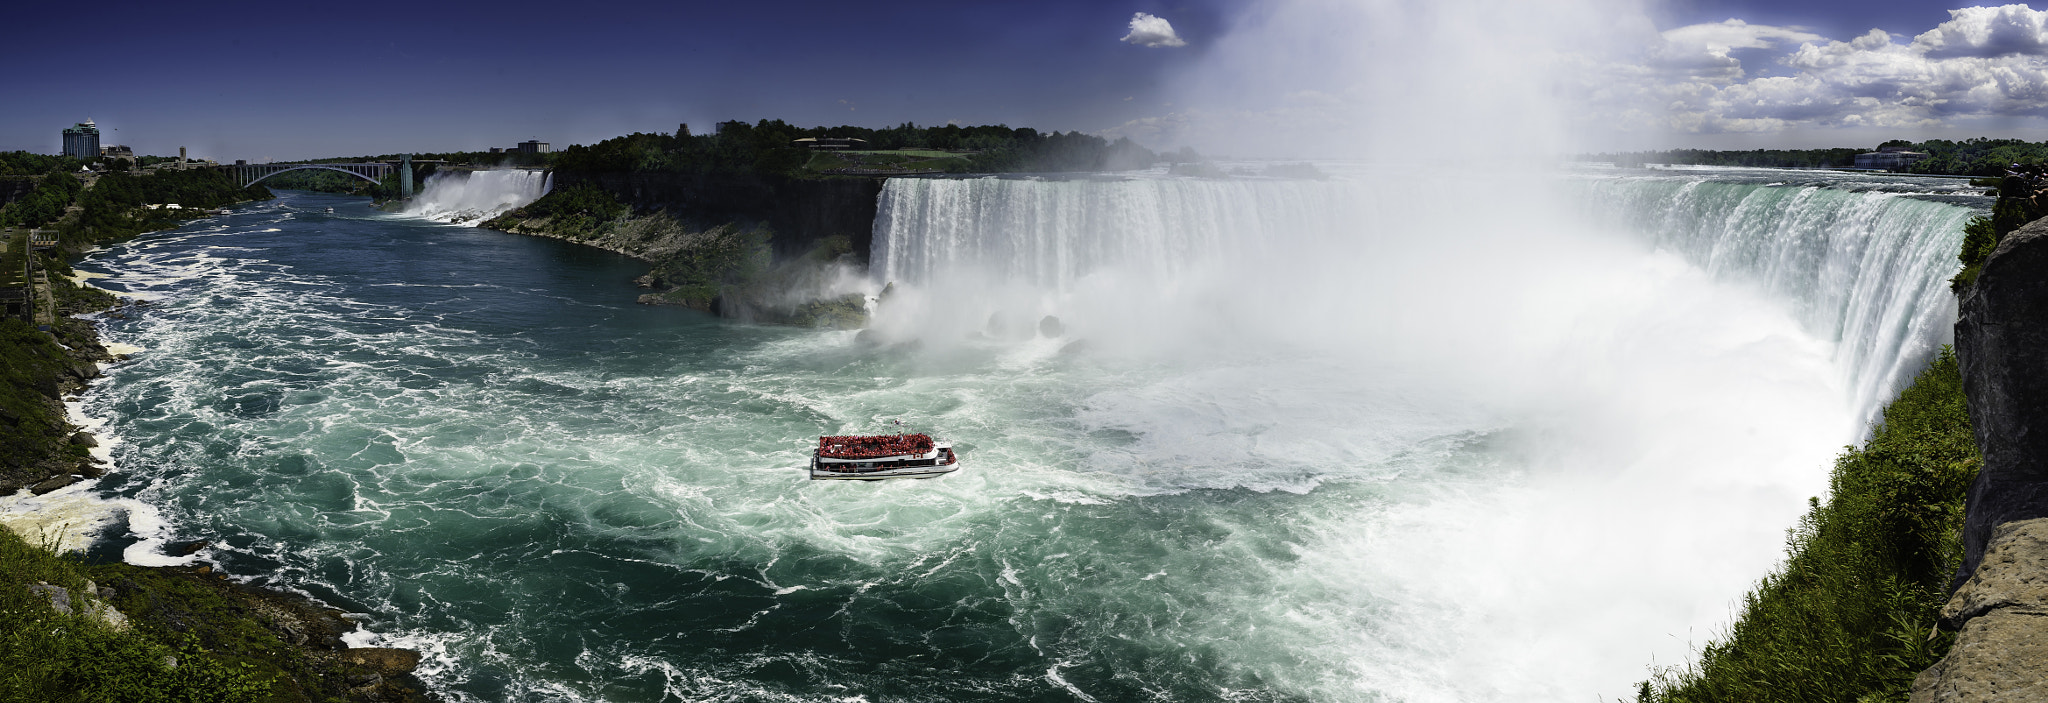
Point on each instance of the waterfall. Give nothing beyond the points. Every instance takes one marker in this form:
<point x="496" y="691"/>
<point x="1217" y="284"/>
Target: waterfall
<point x="1862" y="267"/>
<point x="459" y="197"/>
<point x="1865" y="265"/>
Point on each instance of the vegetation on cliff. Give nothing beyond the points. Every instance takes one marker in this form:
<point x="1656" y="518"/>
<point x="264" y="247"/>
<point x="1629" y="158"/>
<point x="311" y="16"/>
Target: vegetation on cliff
<point x="1850" y="615"/>
<point x="2021" y="199"/>
<point x="44" y="204"/>
<point x="174" y="634"/>
<point x="116" y="206"/>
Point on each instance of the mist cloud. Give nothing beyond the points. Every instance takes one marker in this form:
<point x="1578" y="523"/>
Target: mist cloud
<point x="1152" y="31"/>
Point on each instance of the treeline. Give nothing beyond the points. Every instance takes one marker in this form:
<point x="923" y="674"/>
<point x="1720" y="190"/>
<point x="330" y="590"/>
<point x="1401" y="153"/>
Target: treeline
<point x="1758" y="158"/>
<point x="22" y="163"/>
<point x="1970" y="157"/>
<point x="765" y="148"/>
<point x="114" y="205"/>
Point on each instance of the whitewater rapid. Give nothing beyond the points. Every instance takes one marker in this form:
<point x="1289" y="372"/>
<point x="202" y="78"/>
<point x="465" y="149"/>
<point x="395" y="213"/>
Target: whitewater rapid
<point x="1321" y="440"/>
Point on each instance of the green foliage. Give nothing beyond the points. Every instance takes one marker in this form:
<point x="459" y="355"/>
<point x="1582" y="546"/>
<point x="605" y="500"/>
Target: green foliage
<point x="45" y="204"/>
<point x="2017" y="205"/>
<point x="765" y="148"/>
<point x="114" y="206"/>
<point x="32" y="430"/>
<point x="22" y="163"/>
<point x="49" y="656"/>
<point x="576" y="210"/>
<point x="1847" y="618"/>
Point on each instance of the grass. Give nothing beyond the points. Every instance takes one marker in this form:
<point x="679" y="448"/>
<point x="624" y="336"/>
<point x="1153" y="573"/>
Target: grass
<point x="1850" y="615"/>
<point x="46" y="655"/>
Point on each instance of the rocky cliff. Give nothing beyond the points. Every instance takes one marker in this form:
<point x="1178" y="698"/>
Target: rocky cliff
<point x="799" y="212"/>
<point x="2000" y="606"/>
<point x="2001" y="335"/>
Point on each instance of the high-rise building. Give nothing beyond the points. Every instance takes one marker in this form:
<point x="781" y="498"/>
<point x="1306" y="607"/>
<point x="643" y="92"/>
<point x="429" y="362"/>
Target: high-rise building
<point x="82" y="140"/>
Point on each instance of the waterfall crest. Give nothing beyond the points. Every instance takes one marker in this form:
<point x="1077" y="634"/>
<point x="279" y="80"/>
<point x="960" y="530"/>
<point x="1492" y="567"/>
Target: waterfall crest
<point x="1862" y="267"/>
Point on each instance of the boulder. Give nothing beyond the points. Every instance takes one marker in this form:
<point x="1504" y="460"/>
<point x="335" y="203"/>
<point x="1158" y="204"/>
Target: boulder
<point x="53" y="483"/>
<point x="1049" y="327"/>
<point x="84" y="439"/>
<point x="383" y="660"/>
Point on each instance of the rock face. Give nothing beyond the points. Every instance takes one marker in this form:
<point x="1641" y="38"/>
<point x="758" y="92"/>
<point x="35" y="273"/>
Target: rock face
<point x="2001" y="339"/>
<point x="2003" y="613"/>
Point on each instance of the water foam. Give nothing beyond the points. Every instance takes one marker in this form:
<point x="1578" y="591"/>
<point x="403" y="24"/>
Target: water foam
<point x="474" y="196"/>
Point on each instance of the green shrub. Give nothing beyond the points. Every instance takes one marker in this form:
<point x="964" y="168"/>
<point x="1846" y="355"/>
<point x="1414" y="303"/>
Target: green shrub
<point x="1850" y="615"/>
<point x="49" y="656"/>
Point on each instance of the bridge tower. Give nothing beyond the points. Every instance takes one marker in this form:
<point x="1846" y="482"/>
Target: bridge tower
<point x="405" y="176"/>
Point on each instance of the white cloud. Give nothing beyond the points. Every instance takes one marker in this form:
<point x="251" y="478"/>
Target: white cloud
<point x="1984" y="62"/>
<point x="1152" y="31"/>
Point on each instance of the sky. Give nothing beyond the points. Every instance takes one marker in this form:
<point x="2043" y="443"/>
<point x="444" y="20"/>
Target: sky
<point x="283" y="81"/>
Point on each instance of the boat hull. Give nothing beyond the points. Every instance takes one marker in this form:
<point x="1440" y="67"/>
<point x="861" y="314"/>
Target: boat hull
<point x="885" y="474"/>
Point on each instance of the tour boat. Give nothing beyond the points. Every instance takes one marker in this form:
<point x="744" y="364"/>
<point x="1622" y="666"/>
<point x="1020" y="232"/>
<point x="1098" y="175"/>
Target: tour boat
<point x="878" y="457"/>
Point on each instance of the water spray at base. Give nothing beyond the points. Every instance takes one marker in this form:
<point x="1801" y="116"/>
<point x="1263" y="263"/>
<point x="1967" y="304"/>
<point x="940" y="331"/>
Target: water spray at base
<point x="472" y="197"/>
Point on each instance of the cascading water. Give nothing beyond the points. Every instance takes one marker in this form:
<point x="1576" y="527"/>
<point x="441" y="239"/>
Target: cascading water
<point x="1378" y="437"/>
<point x="1862" y="261"/>
<point x="474" y="196"/>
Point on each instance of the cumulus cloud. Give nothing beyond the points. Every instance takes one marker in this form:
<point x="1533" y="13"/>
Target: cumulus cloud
<point x="1984" y="62"/>
<point x="1152" y="31"/>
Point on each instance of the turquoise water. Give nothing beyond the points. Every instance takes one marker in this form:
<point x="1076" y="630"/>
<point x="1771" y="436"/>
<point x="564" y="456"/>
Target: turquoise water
<point x="478" y="442"/>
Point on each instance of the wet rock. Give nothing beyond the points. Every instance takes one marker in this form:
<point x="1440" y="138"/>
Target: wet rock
<point x="997" y="327"/>
<point x="1078" y="346"/>
<point x="188" y="548"/>
<point x="53" y="483"/>
<point x="1049" y="327"/>
<point x="867" y="338"/>
<point x="383" y="660"/>
<point x="84" y="439"/>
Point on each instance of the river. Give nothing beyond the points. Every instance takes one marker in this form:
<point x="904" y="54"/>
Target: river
<point x="1315" y="447"/>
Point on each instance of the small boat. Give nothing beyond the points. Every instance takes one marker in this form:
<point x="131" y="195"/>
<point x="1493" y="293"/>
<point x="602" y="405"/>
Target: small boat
<point x="878" y="457"/>
<point x="330" y="211"/>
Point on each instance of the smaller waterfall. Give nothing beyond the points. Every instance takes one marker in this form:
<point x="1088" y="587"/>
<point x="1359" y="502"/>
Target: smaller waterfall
<point x="471" y="197"/>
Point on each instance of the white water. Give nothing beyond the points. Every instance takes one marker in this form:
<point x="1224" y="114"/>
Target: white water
<point x="1652" y="375"/>
<point x="475" y="196"/>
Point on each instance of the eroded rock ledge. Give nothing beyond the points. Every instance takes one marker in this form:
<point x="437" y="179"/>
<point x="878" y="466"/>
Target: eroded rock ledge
<point x="2002" y="611"/>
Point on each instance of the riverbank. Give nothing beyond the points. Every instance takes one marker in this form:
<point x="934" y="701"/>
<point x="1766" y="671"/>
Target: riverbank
<point x="730" y="269"/>
<point x="73" y="630"/>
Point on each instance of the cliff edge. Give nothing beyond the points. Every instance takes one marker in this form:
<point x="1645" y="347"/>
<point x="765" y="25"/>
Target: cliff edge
<point x="2001" y="331"/>
<point x="1999" y="605"/>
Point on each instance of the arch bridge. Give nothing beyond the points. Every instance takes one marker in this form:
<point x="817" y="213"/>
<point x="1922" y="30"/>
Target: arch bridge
<point x="246" y="175"/>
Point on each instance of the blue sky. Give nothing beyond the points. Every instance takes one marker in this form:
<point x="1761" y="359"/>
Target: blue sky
<point x="277" y="81"/>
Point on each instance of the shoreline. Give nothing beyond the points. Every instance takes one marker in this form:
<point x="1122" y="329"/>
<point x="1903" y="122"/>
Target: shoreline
<point x="165" y="585"/>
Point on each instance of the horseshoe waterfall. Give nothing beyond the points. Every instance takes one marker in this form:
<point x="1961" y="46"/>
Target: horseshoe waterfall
<point x="1371" y="436"/>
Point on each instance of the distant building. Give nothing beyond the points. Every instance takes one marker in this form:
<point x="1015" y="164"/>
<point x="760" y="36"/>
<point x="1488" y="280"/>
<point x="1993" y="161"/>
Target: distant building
<point x="497" y="150"/>
<point x="82" y="140"/>
<point x="821" y="143"/>
<point x="117" y="152"/>
<point x="534" y="147"/>
<point x="1889" y="158"/>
